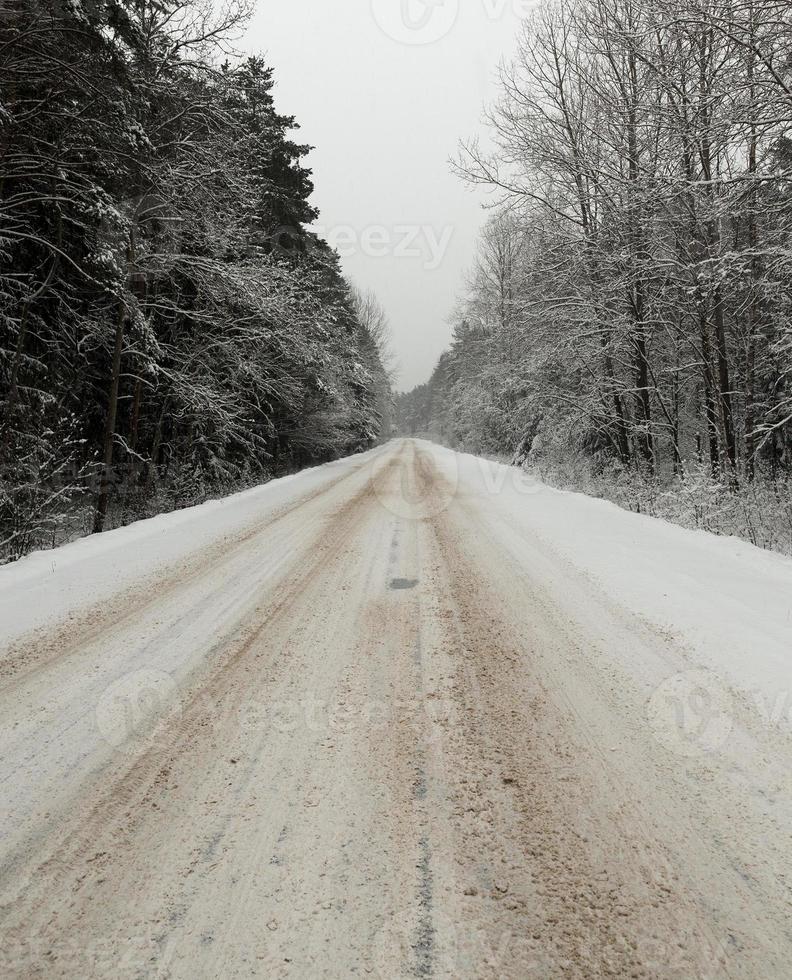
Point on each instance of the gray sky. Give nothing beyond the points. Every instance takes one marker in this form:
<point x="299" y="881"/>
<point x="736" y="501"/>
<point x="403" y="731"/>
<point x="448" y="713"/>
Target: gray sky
<point x="385" y="96"/>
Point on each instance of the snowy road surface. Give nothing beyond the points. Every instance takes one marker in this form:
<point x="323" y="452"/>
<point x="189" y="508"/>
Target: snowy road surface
<point x="408" y="715"/>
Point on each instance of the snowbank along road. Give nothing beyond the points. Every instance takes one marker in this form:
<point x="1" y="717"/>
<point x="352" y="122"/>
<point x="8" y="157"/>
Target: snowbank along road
<point x="406" y="715"/>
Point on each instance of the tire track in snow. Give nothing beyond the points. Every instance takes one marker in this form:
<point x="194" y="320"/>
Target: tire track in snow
<point x="34" y="652"/>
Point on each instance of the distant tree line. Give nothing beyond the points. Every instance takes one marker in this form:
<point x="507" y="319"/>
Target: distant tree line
<point x="632" y="298"/>
<point x="168" y="326"/>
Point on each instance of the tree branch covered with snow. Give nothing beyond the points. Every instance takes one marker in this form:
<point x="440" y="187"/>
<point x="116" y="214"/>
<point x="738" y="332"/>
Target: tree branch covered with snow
<point x="169" y="327"/>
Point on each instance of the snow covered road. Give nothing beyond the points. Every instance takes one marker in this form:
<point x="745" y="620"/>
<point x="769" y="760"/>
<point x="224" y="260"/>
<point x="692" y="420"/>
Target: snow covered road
<point x="409" y="714"/>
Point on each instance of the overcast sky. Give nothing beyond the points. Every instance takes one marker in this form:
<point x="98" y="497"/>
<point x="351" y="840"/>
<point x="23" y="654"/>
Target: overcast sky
<point x="385" y="89"/>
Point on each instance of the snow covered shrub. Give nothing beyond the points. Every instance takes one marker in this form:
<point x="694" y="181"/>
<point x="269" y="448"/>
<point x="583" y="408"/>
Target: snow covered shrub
<point x="41" y="492"/>
<point x="759" y="511"/>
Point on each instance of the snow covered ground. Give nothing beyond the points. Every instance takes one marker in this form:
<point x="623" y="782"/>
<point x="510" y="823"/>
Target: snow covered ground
<point x="411" y="713"/>
<point x="727" y="603"/>
<point x="48" y="586"/>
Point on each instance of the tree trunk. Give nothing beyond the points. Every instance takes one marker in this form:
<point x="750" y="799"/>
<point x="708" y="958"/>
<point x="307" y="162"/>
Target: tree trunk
<point x="709" y="397"/>
<point x="754" y="307"/>
<point x="676" y="424"/>
<point x="726" y="413"/>
<point x="103" y="496"/>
